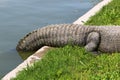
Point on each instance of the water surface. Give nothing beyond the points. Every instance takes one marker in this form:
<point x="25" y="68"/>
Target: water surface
<point x="18" y="17"/>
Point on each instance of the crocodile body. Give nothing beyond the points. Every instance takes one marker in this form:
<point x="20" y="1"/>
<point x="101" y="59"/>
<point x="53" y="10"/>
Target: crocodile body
<point x="93" y="38"/>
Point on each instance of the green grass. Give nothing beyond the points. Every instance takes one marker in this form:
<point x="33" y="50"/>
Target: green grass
<point x="109" y="15"/>
<point x="74" y="63"/>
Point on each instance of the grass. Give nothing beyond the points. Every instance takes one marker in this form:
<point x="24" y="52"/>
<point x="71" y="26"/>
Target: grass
<point x="74" y="63"/>
<point x="109" y="15"/>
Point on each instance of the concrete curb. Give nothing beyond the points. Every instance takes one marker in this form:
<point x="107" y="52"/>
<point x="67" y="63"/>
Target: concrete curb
<point x="91" y="12"/>
<point x="38" y="55"/>
<point x="28" y="62"/>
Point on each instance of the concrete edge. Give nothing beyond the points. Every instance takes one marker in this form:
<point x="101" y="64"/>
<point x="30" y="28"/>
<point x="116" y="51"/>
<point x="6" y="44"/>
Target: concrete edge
<point x="38" y="55"/>
<point x="28" y="62"/>
<point x="91" y="12"/>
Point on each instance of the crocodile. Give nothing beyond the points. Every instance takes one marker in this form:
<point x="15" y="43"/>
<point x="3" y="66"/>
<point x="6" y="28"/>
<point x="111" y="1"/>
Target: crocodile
<point x="92" y="38"/>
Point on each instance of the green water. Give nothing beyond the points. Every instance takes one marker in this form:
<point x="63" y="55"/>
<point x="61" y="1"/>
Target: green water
<point x="18" y="17"/>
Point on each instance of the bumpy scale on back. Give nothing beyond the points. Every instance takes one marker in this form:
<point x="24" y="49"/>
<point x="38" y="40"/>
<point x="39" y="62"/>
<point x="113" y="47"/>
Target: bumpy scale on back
<point x="93" y="38"/>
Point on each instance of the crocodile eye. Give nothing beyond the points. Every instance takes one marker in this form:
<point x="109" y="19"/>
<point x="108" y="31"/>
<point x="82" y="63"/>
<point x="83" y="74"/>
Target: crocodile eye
<point x="27" y="35"/>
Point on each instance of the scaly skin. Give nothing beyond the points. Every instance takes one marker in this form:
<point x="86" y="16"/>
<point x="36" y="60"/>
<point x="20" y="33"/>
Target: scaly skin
<point x="93" y="38"/>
